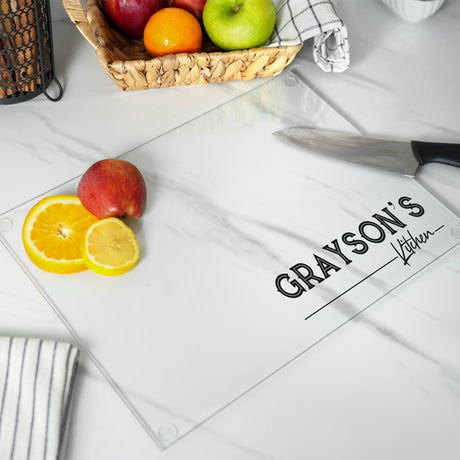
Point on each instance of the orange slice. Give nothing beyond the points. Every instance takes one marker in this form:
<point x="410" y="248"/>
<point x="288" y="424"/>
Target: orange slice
<point x="52" y="233"/>
<point x="110" y="247"/>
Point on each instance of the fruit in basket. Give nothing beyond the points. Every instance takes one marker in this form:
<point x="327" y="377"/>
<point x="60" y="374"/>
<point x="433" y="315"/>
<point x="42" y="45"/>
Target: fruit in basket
<point x="52" y="233"/>
<point x="239" y="24"/>
<point x="192" y="6"/>
<point x="130" y="16"/>
<point x="113" y="188"/>
<point x="109" y="247"/>
<point x="171" y="31"/>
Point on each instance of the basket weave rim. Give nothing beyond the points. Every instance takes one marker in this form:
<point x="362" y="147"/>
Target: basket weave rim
<point x="213" y="55"/>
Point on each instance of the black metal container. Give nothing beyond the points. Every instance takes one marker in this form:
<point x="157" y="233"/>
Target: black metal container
<point x="26" y="51"/>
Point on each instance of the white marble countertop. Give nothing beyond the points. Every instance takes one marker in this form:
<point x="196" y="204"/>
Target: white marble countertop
<point x="385" y="386"/>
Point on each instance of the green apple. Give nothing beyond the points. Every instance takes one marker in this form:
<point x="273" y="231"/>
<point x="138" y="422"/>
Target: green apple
<point x="239" y="24"/>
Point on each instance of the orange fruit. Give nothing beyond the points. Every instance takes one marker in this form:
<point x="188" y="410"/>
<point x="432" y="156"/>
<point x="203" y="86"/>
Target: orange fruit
<point x="171" y="31"/>
<point x="110" y="247"/>
<point x="52" y="232"/>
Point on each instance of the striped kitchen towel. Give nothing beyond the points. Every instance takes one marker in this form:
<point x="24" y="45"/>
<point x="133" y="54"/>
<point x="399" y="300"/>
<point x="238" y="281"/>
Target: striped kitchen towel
<point x="36" y="383"/>
<point x="300" y="20"/>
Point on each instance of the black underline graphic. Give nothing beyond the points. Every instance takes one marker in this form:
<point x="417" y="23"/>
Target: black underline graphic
<point x="352" y="287"/>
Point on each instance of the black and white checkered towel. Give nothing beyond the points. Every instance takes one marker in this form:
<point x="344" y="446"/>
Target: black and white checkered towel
<point x="300" y="20"/>
<point x="36" y="383"/>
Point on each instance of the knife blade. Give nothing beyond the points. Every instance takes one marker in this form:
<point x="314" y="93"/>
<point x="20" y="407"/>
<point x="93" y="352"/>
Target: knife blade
<point x="394" y="156"/>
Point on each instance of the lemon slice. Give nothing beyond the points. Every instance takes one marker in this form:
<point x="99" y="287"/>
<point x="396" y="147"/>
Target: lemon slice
<point x="110" y="247"/>
<point x="52" y="233"/>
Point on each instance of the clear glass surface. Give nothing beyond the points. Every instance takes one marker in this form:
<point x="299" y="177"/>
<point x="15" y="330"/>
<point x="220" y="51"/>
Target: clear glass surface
<point x="234" y="280"/>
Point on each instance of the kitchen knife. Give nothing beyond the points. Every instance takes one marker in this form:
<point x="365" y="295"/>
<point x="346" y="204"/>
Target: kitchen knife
<point x="399" y="157"/>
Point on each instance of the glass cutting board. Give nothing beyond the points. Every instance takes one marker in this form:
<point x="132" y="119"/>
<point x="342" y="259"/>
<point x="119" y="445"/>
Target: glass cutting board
<point x="252" y="251"/>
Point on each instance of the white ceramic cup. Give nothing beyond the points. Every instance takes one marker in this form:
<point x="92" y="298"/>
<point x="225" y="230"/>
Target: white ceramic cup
<point x="414" y="10"/>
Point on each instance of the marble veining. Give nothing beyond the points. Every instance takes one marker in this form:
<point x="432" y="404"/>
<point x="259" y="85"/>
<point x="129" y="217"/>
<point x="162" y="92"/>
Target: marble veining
<point x="242" y="210"/>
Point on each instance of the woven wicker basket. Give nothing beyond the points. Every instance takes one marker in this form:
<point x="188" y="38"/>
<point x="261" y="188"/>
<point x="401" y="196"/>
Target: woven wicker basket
<point x="128" y="64"/>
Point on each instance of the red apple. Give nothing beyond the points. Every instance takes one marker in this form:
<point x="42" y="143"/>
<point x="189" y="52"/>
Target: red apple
<point x="113" y="188"/>
<point x="130" y="16"/>
<point x="192" y="6"/>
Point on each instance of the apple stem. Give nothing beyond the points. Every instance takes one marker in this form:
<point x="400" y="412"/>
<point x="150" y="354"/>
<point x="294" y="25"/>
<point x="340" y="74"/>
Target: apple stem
<point x="237" y="8"/>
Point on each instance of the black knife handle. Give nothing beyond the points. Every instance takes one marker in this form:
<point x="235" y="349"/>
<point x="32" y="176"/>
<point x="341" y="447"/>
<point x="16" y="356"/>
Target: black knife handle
<point x="434" y="152"/>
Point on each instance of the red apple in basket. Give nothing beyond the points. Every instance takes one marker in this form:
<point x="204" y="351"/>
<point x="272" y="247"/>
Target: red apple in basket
<point x="113" y="188"/>
<point x="130" y="16"/>
<point x="192" y="6"/>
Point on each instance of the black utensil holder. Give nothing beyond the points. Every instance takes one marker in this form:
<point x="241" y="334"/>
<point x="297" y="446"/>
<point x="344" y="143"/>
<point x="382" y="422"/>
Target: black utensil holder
<point x="26" y="51"/>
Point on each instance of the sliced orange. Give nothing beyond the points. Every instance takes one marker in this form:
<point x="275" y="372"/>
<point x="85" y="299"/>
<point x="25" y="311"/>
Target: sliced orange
<point x="110" y="247"/>
<point x="52" y="233"/>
